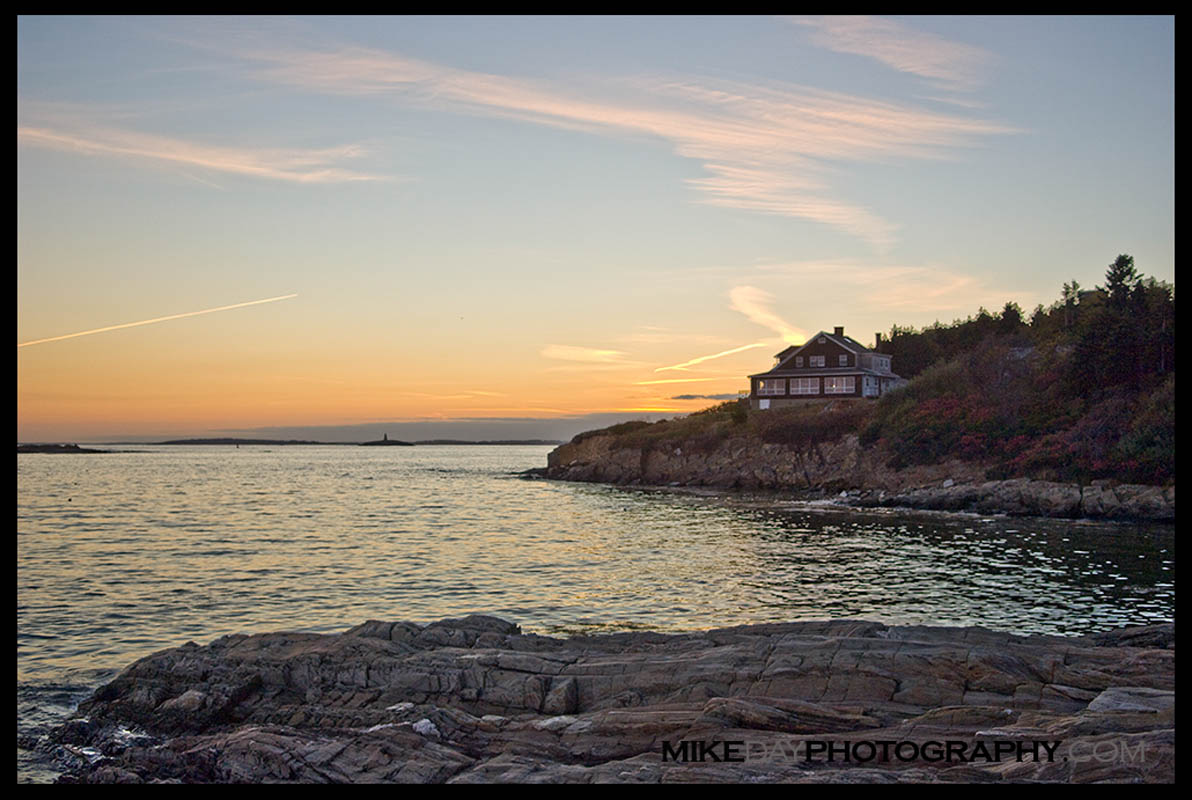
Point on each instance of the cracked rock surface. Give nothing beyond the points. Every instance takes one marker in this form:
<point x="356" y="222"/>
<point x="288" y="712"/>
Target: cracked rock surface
<point x="475" y="700"/>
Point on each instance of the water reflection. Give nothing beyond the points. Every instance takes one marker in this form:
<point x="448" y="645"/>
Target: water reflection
<point x="122" y="555"/>
<point x="742" y="554"/>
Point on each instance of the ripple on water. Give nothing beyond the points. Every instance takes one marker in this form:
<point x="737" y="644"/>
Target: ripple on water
<point x="191" y="543"/>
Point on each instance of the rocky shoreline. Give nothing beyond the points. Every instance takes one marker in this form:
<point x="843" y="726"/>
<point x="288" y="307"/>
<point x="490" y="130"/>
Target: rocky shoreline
<point x="1025" y="497"/>
<point x="853" y="475"/>
<point x="475" y="700"/>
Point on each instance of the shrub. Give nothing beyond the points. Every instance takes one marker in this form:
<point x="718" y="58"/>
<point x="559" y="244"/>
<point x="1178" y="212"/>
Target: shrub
<point x="1146" y="452"/>
<point x="805" y="426"/>
<point x="613" y="430"/>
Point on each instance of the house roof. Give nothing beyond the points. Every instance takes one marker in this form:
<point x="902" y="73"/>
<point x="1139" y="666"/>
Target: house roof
<point x="822" y="372"/>
<point x="847" y="342"/>
<point x="780" y="370"/>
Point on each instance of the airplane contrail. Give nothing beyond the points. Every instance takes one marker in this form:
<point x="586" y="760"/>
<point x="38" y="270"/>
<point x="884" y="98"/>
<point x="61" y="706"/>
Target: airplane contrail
<point x="702" y="359"/>
<point x="158" y="319"/>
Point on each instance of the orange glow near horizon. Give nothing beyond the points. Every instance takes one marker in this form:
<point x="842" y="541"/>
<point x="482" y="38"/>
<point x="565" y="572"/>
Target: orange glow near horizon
<point x="176" y="385"/>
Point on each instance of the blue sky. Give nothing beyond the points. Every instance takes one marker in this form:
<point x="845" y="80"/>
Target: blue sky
<point x="526" y="217"/>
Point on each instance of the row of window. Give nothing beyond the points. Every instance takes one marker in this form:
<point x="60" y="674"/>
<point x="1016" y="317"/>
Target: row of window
<point x="843" y="384"/>
<point x="842" y="360"/>
<point x="818" y="361"/>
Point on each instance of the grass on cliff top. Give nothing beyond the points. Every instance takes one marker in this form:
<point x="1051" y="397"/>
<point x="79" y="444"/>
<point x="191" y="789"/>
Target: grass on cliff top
<point x="805" y="425"/>
<point x="1007" y="407"/>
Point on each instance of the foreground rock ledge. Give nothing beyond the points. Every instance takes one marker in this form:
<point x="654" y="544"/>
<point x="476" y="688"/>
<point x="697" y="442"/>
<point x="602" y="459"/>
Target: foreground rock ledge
<point x="474" y="700"/>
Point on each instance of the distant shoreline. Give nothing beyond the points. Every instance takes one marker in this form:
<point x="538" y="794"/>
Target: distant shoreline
<point x="352" y="444"/>
<point x="73" y="448"/>
<point x="57" y="448"/>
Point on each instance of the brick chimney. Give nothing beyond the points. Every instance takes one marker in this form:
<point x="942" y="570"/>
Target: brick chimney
<point x="838" y="330"/>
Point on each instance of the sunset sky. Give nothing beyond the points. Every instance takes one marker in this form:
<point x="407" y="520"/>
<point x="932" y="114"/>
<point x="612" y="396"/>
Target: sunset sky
<point x="449" y="219"/>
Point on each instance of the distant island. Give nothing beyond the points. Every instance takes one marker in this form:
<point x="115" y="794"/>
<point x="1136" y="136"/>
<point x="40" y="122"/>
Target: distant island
<point x="244" y="441"/>
<point x="57" y="448"/>
<point x="386" y="442"/>
<point x="383" y="442"/>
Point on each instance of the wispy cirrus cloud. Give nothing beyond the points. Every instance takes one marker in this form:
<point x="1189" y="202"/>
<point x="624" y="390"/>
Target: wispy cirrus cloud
<point x="591" y="355"/>
<point x="470" y="394"/>
<point x="648" y="334"/>
<point x="913" y="287"/>
<point x="963" y="102"/>
<point x="945" y="63"/>
<point x="282" y="164"/>
<point x="767" y="149"/>
<point x="769" y="193"/>
<point x="756" y="305"/>
<point x="685" y="380"/>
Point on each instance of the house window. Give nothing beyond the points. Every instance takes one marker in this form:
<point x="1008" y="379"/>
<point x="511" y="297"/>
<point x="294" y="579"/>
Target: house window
<point x="798" y="361"/>
<point x="817" y="361"/>
<point x="843" y="360"/>
<point x="841" y="385"/>
<point x="772" y="386"/>
<point x="805" y="386"/>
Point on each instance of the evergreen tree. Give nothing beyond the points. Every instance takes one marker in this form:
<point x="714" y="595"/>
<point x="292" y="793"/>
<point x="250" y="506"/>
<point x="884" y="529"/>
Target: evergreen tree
<point x="1120" y="281"/>
<point x="1011" y="319"/>
<point x="1071" y="297"/>
<point x="1153" y="307"/>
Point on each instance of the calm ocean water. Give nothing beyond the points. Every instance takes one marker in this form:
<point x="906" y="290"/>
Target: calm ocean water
<point x="121" y="555"/>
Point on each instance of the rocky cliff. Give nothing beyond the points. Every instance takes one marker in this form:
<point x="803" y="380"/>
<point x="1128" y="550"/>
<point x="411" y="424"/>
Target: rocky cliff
<point x="475" y="700"/>
<point x="855" y="474"/>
